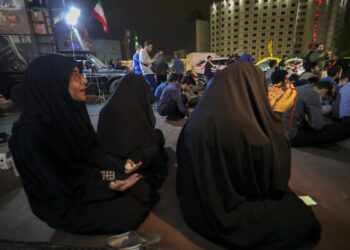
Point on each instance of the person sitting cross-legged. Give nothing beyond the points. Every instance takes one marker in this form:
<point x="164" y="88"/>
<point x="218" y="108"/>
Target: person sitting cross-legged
<point x="307" y="125"/>
<point x="71" y="182"/>
<point x="234" y="166"/>
<point x="173" y="78"/>
<point x="173" y="103"/>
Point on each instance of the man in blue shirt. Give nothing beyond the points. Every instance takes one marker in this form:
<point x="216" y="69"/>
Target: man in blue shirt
<point x="307" y="125"/>
<point x="178" y="67"/>
<point x="273" y="66"/>
<point x="173" y="103"/>
<point x="341" y="107"/>
<point x="246" y="57"/>
<point x="173" y="78"/>
<point x="333" y="74"/>
<point x="136" y="60"/>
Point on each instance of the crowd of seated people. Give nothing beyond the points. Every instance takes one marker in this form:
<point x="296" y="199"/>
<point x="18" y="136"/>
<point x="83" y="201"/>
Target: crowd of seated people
<point x="173" y="103"/>
<point x="234" y="156"/>
<point x="173" y="78"/>
<point x="305" y="122"/>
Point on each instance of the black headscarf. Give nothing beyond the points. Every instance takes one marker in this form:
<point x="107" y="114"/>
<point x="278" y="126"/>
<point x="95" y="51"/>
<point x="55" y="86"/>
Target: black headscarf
<point x="47" y="100"/>
<point x="126" y="122"/>
<point x="55" y="146"/>
<point x="232" y="152"/>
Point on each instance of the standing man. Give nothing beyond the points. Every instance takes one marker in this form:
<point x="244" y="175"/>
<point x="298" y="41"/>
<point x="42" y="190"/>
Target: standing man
<point x="161" y="68"/>
<point x="178" y="67"/>
<point x="318" y="55"/>
<point x="209" y="67"/>
<point x="273" y="66"/>
<point x="234" y="57"/>
<point x="146" y="63"/>
<point x="246" y="56"/>
<point x="136" y="60"/>
<point x="282" y="64"/>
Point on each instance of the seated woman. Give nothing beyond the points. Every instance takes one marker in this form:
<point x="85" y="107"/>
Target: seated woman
<point x="70" y="183"/>
<point x="234" y="162"/>
<point x="126" y="128"/>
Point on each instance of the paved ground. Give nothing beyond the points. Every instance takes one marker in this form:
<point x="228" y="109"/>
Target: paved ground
<point x="323" y="173"/>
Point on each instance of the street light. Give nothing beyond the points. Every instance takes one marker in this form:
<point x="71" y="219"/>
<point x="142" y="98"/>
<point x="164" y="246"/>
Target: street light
<point x="72" y="16"/>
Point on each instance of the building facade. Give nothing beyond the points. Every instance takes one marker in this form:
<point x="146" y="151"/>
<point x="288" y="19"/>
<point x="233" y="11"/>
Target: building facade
<point x="292" y="25"/>
<point x="198" y="36"/>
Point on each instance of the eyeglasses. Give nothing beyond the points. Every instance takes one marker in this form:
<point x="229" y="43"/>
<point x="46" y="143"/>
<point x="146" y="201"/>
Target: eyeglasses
<point x="78" y="77"/>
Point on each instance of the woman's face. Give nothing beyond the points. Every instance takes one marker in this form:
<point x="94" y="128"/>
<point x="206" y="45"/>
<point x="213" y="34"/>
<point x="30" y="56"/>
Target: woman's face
<point x="77" y="86"/>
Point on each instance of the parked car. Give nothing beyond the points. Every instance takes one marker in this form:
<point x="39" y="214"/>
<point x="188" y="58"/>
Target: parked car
<point x="219" y="63"/>
<point x="98" y="76"/>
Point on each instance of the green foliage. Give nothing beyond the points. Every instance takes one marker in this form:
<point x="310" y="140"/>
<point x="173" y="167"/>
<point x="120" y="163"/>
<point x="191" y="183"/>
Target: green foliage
<point x="342" y="41"/>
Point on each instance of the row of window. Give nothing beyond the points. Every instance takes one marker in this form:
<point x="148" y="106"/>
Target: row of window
<point x="254" y="46"/>
<point x="255" y="9"/>
<point x="256" y="53"/>
<point x="282" y="19"/>
<point x="256" y="28"/>
<point x="248" y="2"/>
<point x="262" y="40"/>
<point x="281" y="33"/>
<point x="263" y="14"/>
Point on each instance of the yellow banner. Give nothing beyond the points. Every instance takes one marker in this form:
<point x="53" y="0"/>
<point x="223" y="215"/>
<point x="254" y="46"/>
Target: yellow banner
<point x="270" y="48"/>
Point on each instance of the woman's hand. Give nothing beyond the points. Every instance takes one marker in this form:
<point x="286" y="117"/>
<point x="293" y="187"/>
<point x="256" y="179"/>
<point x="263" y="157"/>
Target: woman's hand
<point x="287" y="100"/>
<point x="130" y="166"/>
<point x="119" y="185"/>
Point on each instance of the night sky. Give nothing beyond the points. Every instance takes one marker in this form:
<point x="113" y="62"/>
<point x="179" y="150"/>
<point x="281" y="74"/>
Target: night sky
<point x="163" y="22"/>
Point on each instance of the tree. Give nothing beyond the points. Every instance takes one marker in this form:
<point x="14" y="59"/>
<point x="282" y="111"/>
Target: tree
<point x="342" y="41"/>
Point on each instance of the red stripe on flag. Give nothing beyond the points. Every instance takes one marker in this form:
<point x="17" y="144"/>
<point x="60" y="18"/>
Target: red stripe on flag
<point x="99" y="18"/>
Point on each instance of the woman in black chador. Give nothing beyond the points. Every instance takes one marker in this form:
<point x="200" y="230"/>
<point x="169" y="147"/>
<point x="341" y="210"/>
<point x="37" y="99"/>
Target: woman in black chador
<point x="126" y="128"/>
<point x="234" y="163"/>
<point x="70" y="183"/>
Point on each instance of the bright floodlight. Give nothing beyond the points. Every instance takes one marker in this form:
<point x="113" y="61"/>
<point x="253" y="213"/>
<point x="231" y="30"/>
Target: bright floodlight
<point x="72" y="16"/>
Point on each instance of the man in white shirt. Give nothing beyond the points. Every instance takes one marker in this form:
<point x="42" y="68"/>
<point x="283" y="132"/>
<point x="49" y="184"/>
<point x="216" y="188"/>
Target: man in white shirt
<point x="146" y="64"/>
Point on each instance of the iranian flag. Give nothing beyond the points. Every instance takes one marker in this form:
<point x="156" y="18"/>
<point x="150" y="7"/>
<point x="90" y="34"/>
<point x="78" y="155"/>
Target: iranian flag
<point x="100" y="15"/>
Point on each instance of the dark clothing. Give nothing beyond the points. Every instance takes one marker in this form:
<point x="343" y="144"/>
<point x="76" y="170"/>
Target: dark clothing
<point x="179" y="76"/>
<point x="330" y="133"/>
<point x="234" y="166"/>
<point x="119" y="66"/>
<point x="233" y="58"/>
<point x="346" y="120"/>
<point x="56" y="152"/>
<point x="179" y="67"/>
<point x="315" y="58"/>
<point x="336" y="90"/>
<point x="161" y="79"/>
<point x="126" y="126"/>
<point x="207" y="71"/>
<point x="161" y="69"/>
<point x="281" y="65"/>
<point x="172" y="94"/>
<point x="161" y="66"/>
<point x="172" y="110"/>
<point x="308" y="104"/>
